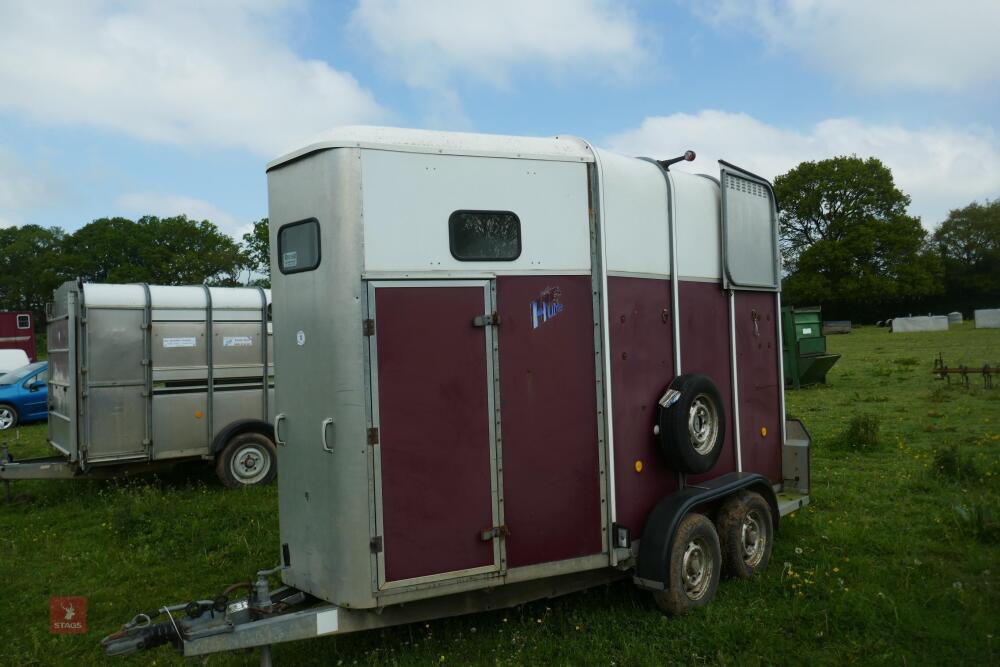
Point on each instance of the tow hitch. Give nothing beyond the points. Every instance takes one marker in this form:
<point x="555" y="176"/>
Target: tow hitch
<point x="198" y="619"/>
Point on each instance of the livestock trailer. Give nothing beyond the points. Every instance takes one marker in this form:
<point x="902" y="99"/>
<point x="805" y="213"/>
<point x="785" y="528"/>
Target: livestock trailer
<point x="144" y="375"/>
<point x="17" y="332"/>
<point x="509" y="368"/>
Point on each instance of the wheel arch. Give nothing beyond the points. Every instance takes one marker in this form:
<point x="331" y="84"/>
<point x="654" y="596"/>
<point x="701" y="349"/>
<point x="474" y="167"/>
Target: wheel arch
<point x="239" y="427"/>
<point x="653" y="560"/>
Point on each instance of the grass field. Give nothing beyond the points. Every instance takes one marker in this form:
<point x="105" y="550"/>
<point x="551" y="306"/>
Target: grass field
<point x="895" y="562"/>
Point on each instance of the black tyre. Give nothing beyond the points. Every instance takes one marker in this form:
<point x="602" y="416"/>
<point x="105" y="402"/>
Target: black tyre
<point x="746" y="534"/>
<point x="695" y="565"/>
<point x="247" y="459"/>
<point x="8" y="416"/>
<point x="692" y="426"/>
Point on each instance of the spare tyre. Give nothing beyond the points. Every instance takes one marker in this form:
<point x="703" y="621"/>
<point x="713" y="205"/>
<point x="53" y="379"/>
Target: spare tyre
<point x="691" y="424"/>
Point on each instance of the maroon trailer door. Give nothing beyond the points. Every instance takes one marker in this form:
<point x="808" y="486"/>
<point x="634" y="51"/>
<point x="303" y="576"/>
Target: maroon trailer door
<point x="435" y="457"/>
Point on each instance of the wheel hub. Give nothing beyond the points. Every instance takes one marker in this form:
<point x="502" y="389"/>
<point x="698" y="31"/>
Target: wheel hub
<point x="250" y="464"/>
<point x="6" y="419"/>
<point x="696" y="569"/>
<point x="753" y="538"/>
<point x="703" y="424"/>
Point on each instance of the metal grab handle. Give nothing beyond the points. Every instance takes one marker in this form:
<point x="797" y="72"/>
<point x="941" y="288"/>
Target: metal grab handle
<point x="277" y="434"/>
<point x="326" y="422"/>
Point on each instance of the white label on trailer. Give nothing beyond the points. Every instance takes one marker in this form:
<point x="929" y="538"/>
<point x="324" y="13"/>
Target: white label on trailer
<point x="187" y="341"/>
<point x="806" y="330"/>
<point x="326" y="622"/>
<point x="237" y="341"/>
<point x="290" y="259"/>
<point x="300" y="337"/>
<point x="239" y="605"/>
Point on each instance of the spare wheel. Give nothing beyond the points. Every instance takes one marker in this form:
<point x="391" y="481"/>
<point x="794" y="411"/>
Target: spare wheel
<point x="691" y="424"/>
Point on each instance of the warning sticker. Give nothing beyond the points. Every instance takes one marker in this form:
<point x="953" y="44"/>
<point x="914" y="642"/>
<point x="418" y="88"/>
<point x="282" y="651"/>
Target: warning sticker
<point x="186" y="341"/>
<point x="806" y="331"/>
<point x="290" y="259"/>
<point x="237" y="341"/>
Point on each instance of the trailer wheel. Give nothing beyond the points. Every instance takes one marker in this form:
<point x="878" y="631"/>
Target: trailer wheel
<point x="692" y="428"/>
<point x="746" y="534"/>
<point x="695" y="564"/>
<point x="8" y="417"/>
<point x="247" y="459"/>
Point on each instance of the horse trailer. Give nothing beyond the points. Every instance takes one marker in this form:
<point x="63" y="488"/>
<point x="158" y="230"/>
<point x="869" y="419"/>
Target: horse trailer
<point x="146" y="375"/>
<point x="17" y="332"/>
<point x="509" y="368"/>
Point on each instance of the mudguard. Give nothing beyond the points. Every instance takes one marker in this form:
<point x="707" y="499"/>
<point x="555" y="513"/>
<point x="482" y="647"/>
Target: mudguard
<point x="241" y="426"/>
<point x="652" y="568"/>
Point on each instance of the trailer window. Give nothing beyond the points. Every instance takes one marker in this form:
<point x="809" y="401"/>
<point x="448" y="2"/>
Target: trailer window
<point x="484" y="235"/>
<point x="298" y="246"/>
<point x="23" y="321"/>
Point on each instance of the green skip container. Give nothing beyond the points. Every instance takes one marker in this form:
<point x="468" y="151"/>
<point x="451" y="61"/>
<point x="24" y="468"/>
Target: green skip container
<point x="804" y="347"/>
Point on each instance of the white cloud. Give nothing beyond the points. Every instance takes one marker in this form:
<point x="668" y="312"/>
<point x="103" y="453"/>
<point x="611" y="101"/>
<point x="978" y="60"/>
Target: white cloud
<point x="178" y="72"/>
<point x="429" y="42"/>
<point x="160" y="205"/>
<point x="896" y="44"/>
<point x="941" y="168"/>
<point x="24" y="188"/>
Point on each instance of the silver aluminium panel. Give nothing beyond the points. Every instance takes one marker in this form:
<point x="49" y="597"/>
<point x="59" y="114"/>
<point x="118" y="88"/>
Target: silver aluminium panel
<point x="749" y="230"/>
<point x="324" y="469"/>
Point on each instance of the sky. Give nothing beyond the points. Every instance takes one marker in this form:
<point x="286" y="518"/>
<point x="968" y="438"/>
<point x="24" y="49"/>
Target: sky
<point x="165" y="107"/>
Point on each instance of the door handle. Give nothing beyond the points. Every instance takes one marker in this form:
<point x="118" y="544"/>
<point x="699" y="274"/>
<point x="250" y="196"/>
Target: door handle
<point x="326" y="422"/>
<point x="277" y="434"/>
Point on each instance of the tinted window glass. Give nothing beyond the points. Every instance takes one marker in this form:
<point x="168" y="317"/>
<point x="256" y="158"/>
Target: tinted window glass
<point x="484" y="235"/>
<point x="298" y="246"/>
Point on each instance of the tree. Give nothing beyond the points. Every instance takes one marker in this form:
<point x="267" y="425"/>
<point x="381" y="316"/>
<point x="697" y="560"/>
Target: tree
<point x="31" y="267"/>
<point x="968" y="242"/>
<point x="163" y="251"/>
<point x="846" y="238"/>
<point x="257" y="249"/>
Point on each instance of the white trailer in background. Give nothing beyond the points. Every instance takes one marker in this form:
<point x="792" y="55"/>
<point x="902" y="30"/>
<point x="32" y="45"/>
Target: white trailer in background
<point x="988" y="318"/>
<point x="920" y="324"/>
<point x="143" y="375"/>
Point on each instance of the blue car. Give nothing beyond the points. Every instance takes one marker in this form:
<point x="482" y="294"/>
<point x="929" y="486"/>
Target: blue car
<point x="24" y="395"/>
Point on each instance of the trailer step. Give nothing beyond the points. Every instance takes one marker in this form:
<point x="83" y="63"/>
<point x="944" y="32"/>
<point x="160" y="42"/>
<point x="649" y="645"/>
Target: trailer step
<point x="790" y="501"/>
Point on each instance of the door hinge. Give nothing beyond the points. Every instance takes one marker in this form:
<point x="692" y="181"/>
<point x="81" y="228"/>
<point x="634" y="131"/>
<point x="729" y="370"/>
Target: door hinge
<point x="373" y="436"/>
<point x="486" y="320"/>
<point x="369" y="327"/>
<point x="376" y="544"/>
<point x="496" y="531"/>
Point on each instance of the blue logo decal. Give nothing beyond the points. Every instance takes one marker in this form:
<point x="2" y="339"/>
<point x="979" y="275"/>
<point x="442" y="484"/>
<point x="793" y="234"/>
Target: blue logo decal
<point x="546" y="306"/>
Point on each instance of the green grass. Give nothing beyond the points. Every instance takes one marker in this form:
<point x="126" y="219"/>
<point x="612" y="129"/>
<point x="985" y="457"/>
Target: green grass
<point x="895" y="562"/>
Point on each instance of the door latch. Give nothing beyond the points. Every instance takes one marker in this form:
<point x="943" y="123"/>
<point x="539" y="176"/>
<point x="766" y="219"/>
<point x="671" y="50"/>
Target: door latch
<point x="496" y="531"/>
<point x="486" y="320"/>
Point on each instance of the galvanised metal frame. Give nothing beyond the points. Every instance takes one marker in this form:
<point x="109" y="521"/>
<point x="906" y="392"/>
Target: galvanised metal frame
<point x="602" y="360"/>
<point x="72" y="381"/>
<point x="499" y="550"/>
<point x="210" y="368"/>
<point x="265" y="371"/>
<point x="147" y="361"/>
<point x="734" y="373"/>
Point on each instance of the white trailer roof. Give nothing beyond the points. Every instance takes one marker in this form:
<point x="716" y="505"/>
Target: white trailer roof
<point x="163" y="296"/>
<point x="563" y="149"/>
